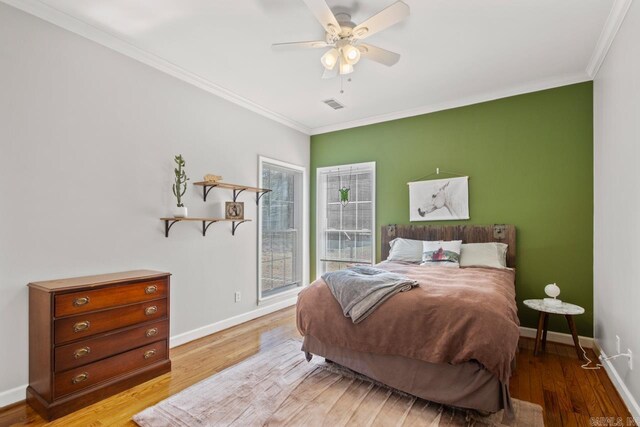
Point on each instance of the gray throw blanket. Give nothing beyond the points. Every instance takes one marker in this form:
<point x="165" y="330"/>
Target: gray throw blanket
<point x="361" y="289"/>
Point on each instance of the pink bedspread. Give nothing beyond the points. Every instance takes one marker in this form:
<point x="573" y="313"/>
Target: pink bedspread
<point x="455" y="315"/>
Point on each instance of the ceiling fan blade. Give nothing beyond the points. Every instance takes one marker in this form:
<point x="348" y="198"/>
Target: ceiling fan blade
<point x="316" y="44"/>
<point x="378" y="54"/>
<point x="382" y="20"/>
<point x="323" y="14"/>
<point x="329" y="74"/>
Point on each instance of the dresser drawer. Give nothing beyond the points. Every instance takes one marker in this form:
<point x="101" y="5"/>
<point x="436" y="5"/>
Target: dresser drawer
<point x="84" y="325"/>
<point x="92" y="349"/>
<point x="112" y="296"/>
<point x="85" y="376"/>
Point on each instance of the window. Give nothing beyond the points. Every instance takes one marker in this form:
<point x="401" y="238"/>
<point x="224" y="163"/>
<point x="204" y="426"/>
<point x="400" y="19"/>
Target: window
<point x="281" y="232"/>
<point x="345" y="233"/>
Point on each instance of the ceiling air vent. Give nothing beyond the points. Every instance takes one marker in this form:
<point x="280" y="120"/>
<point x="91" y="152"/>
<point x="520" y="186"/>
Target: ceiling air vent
<point x="333" y="104"/>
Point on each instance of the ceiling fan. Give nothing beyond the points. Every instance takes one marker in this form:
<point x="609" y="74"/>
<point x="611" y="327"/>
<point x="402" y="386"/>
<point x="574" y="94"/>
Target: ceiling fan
<point x="344" y="38"/>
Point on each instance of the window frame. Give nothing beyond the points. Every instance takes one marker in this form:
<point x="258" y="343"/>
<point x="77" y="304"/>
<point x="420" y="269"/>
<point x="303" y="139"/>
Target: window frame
<point x="321" y="215"/>
<point x="304" y="228"/>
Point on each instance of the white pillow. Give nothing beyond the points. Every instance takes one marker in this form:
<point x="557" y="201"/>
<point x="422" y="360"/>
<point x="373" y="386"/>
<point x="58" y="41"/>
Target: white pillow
<point x="492" y="254"/>
<point x="406" y="250"/>
<point x="441" y="253"/>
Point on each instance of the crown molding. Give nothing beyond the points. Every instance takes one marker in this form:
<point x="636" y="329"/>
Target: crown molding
<point x="77" y="26"/>
<point x="111" y="41"/>
<point x="477" y="99"/>
<point x="611" y="26"/>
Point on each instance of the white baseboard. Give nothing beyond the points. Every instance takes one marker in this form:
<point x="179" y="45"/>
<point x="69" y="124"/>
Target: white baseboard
<point x="17" y="394"/>
<point x="618" y="383"/>
<point x="203" y="331"/>
<point x="558" y="337"/>
<point x="14" y="395"/>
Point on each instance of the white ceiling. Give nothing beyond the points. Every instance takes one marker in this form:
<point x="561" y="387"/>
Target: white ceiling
<point x="454" y="52"/>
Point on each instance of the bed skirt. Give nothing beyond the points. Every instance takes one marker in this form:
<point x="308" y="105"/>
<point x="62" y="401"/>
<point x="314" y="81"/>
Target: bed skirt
<point x="466" y="385"/>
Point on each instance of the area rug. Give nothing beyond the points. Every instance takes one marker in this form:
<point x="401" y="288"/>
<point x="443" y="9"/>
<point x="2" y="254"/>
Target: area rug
<point x="280" y="388"/>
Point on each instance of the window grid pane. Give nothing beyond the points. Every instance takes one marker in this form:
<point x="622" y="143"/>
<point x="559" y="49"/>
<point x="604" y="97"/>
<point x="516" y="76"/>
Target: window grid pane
<point x="280" y="216"/>
<point x="346" y="232"/>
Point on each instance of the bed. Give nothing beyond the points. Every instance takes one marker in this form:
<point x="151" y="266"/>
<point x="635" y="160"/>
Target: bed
<point x="451" y="340"/>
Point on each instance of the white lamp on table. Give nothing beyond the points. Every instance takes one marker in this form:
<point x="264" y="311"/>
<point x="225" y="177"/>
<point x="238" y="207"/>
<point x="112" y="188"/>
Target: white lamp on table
<point x="553" y="291"/>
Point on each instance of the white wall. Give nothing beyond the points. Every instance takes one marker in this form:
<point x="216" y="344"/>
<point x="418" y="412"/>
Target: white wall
<point x="87" y="141"/>
<point x="617" y="202"/>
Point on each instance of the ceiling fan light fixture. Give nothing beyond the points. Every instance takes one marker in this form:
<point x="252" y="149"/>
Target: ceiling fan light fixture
<point x="330" y="58"/>
<point x="351" y="54"/>
<point x="345" y="68"/>
<point x="343" y="38"/>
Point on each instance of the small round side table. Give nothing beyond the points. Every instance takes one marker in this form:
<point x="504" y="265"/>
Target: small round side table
<point x="565" y="309"/>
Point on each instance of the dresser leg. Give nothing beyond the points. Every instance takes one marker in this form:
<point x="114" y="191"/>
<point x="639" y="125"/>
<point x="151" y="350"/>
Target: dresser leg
<point x="574" y="334"/>
<point x="541" y="319"/>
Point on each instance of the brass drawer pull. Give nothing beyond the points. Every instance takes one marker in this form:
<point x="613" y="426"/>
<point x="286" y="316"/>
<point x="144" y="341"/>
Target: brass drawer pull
<point x="79" y="302"/>
<point x="80" y="378"/>
<point x="149" y="354"/>
<point x="81" y="326"/>
<point x="152" y="332"/>
<point x="151" y="310"/>
<point x="81" y="352"/>
<point x="151" y="289"/>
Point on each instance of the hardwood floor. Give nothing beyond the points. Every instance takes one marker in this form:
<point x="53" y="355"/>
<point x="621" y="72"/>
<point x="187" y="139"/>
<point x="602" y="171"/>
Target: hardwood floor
<point x="568" y="394"/>
<point x="554" y="380"/>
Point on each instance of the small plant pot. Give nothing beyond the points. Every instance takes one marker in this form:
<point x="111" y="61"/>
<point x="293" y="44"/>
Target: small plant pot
<point x="180" y="212"/>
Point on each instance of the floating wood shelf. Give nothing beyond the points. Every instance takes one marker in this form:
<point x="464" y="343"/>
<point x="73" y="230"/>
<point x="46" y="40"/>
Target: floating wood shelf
<point x="206" y="222"/>
<point x="237" y="189"/>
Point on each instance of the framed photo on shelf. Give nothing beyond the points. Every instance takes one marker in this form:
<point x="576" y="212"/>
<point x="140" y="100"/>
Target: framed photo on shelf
<point x="234" y="210"/>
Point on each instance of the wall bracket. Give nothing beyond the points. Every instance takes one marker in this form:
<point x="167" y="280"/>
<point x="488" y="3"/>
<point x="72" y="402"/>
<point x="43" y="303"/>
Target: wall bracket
<point x="206" y="227"/>
<point x="260" y="194"/>
<point x="167" y="226"/>
<point x="236" y="193"/>
<point x="235" y="224"/>
<point x="206" y="189"/>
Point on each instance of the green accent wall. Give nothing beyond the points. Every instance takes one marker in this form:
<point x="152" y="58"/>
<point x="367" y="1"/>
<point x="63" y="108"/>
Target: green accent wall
<point x="530" y="163"/>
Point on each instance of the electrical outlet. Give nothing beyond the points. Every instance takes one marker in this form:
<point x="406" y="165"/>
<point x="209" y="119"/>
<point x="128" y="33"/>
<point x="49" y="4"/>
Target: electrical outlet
<point x="630" y="359"/>
<point x="238" y="296"/>
<point x="617" y="344"/>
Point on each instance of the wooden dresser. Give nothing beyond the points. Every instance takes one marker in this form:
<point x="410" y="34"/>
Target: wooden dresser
<point x="92" y="337"/>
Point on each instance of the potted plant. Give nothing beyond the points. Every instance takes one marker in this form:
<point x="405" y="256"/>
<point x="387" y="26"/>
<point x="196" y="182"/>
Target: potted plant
<point x="180" y="187"/>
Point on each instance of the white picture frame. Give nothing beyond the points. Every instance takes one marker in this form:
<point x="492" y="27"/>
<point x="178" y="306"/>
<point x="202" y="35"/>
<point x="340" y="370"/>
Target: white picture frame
<point x="439" y="199"/>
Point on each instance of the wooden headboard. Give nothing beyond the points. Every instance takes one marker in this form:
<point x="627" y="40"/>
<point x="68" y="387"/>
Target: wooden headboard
<point x="502" y="233"/>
